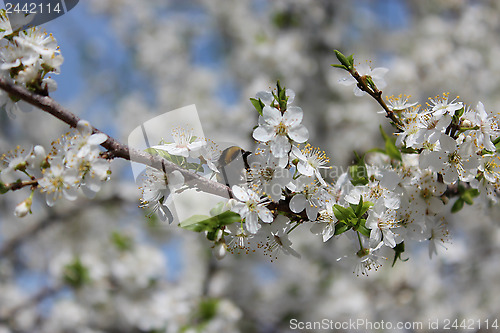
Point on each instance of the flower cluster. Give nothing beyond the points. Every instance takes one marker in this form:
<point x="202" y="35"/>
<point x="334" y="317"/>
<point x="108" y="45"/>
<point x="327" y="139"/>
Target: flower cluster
<point x="73" y="163"/>
<point x="27" y="57"/>
<point x="444" y="153"/>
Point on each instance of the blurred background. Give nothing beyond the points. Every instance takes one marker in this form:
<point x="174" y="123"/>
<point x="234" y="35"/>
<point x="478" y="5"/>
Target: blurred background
<point x="129" y="61"/>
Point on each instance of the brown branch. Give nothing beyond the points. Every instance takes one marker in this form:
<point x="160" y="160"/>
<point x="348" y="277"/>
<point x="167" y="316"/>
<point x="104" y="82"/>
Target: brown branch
<point x="115" y="149"/>
<point x="376" y="94"/>
<point x="19" y="185"/>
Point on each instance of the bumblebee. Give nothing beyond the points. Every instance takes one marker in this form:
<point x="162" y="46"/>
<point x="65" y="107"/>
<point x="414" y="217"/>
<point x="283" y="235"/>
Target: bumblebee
<point x="233" y="163"/>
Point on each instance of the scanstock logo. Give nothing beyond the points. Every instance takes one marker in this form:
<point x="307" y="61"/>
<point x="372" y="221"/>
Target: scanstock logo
<point x="29" y="13"/>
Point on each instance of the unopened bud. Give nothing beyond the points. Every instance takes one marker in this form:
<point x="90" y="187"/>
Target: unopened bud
<point x="23" y="208"/>
<point x="466" y="123"/>
<point x="38" y="156"/>
<point x="219" y="250"/>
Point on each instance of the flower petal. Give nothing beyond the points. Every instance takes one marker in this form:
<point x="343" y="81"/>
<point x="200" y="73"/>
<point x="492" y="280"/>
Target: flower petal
<point x="271" y="115"/>
<point x="293" y="116"/>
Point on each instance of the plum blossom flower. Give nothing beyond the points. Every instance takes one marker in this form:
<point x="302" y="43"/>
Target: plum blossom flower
<point x="185" y="144"/>
<point x="438" y="234"/>
<point x="277" y="240"/>
<point x="325" y="224"/>
<point x="157" y="191"/>
<point x="58" y="180"/>
<point x="381" y="220"/>
<point x="310" y="161"/>
<point x="267" y="176"/>
<point x="452" y="161"/>
<point x="487" y="126"/>
<point x="251" y="208"/>
<point x="309" y="196"/>
<point x="439" y="105"/>
<point x="278" y="129"/>
<point x="211" y="152"/>
<point x="398" y="103"/>
<point x="85" y="142"/>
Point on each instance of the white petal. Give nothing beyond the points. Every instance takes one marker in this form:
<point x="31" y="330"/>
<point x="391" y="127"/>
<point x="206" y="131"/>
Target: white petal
<point x="265" y="96"/>
<point x="298" y="134"/>
<point x="280" y="146"/>
<point x="293" y="116"/>
<point x="312" y="212"/>
<point x="239" y="193"/>
<point x="305" y="168"/>
<point x="251" y="223"/>
<point x="448" y="144"/>
<point x="272" y="115"/>
<point x="264" y="133"/>
<point x="298" y="203"/>
<point x="84" y="127"/>
<point x="265" y="214"/>
<point x="97" y="139"/>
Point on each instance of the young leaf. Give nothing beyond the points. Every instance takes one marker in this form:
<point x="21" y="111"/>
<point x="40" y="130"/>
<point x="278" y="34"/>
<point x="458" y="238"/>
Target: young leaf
<point x="362" y="229"/>
<point x="258" y="105"/>
<point x="398" y="250"/>
<point x="342" y="58"/>
<point x="199" y="223"/>
<point x="341" y="227"/>
<point x="340" y="66"/>
<point x="390" y="146"/>
<point x="458" y="205"/>
<point x="3" y="189"/>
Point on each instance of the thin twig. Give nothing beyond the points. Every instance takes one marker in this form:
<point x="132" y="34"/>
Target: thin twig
<point x="19" y="185"/>
<point x="115" y="149"/>
<point x="376" y="94"/>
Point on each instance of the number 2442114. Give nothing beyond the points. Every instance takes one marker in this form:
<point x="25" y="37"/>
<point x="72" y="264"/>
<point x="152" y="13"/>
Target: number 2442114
<point x="32" y="8"/>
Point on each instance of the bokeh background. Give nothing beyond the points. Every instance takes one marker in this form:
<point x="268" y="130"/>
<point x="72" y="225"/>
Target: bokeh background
<point x="129" y="61"/>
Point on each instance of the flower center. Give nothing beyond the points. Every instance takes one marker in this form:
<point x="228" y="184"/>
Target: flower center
<point x="281" y="129"/>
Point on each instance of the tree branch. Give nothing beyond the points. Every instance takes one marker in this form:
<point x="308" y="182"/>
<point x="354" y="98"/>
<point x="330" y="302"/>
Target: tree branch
<point x="19" y="185"/>
<point x="115" y="149"/>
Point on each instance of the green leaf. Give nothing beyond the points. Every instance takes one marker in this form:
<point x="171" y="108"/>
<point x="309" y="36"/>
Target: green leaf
<point x="199" y="223"/>
<point x="342" y="213"/>
<point x="195" y="166"/>
<point x="194" y="223"/>
<point x="340" y="66"/>
<point x="76" y="274"/>
<point x="459" y="113"/>
<point x="362" y="207"/>
<point x="362" y="229"/>
<point x="458" y="205"/>
<point x="398" y="250"/>
<point x="341" y="227"/>
<point x="390" y="146"/>
<point x="218" y="209"/>
<point x="358" y="174"/>
<point x="468" y="196"/>
<point x="258" y="105"/>
<point x="3" y="189"/>
<point x="179" y="160"/>
<point x="281" y="94"/>
<point x="342" y="58"/>
<point x="121" y="241"/>
<point x="351" y="59"/>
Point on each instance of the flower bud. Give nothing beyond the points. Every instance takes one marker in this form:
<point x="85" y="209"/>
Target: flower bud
<point x="38" y="156"/>
<point x="219" y="250"/>
<point x="23" y="208"/>
<point x="466" y="123"/>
